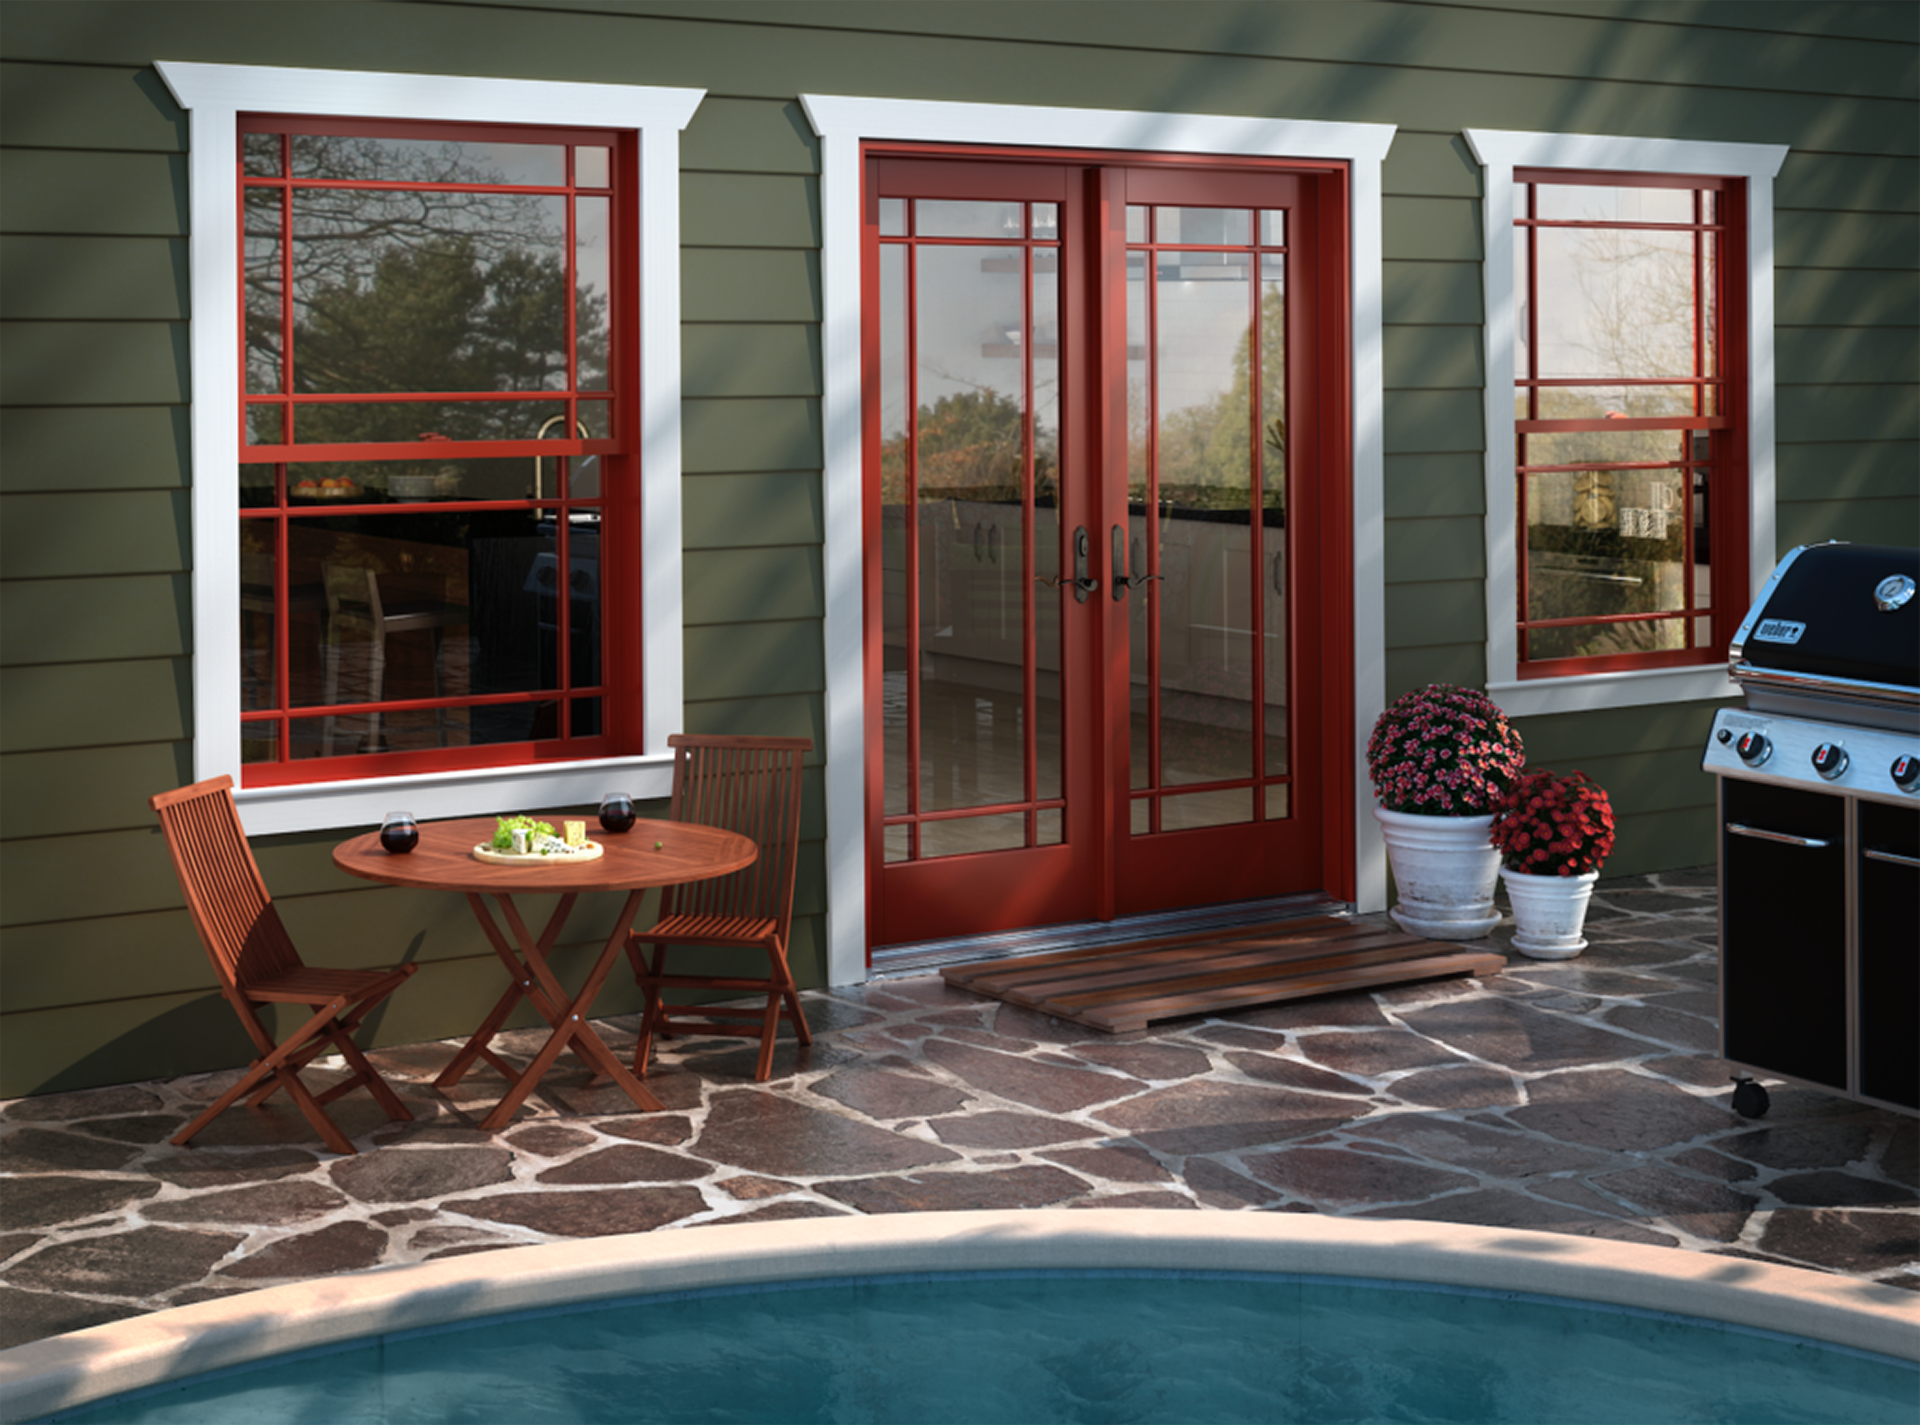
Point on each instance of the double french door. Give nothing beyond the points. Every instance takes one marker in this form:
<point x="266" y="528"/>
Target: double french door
<point x="1106" y="501"/>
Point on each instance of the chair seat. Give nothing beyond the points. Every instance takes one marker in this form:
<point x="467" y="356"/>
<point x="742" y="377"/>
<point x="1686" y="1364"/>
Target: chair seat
<point x="712" y="930"/>
<point x="308" y="985"/>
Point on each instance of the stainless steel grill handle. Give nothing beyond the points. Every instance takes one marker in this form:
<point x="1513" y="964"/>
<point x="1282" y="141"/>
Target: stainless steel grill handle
<point x="1813" y="843"/>
<point x="1891" y="857"/>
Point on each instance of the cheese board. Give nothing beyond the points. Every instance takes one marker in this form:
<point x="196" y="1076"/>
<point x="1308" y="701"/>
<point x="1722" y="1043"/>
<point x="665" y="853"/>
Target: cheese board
<point x="592" y="851"/>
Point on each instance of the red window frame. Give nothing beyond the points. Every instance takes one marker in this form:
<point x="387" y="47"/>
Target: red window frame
<point x="1725" y="390"/>
<point x="619" y="689"/>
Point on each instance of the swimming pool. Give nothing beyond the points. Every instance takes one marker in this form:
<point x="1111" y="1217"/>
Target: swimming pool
<point x="1016" y="1316"/>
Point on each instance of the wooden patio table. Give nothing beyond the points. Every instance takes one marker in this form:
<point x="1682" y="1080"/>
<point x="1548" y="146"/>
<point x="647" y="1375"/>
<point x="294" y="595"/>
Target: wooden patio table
<point x="652" y="853"/>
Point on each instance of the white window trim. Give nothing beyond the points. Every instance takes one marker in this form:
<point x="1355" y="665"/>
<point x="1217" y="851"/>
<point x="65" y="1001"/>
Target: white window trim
<point x="843" y="123"/>
<point x="1499" y="153"/>
<point x="213" y="94"/>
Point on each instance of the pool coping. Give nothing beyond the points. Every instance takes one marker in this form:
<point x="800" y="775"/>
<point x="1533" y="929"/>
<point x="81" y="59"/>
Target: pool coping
<point x="64" y="1372"/>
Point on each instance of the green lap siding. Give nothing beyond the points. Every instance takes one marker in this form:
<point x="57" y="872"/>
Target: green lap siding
<point x="101" y="977"/>
<point x="93" y="448"/>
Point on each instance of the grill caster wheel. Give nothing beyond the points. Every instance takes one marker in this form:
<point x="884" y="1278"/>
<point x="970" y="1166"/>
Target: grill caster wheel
<point x="1749" y="1099"/>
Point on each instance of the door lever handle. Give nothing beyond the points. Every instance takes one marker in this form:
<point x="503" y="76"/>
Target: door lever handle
<point x="1122" y="581"/>
<point x="1082" y="581"/>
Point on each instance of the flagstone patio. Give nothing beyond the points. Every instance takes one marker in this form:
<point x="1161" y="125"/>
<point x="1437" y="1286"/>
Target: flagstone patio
<point x="1580" y="1097"/>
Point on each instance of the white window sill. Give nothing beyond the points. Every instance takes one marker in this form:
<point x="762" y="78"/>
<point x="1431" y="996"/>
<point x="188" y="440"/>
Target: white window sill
<point x="1635" y="687"/>
<point x="437" y="796"/>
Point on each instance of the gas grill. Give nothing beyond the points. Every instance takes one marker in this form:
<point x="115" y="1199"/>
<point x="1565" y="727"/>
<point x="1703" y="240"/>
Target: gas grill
<point x="1819" y="800"/>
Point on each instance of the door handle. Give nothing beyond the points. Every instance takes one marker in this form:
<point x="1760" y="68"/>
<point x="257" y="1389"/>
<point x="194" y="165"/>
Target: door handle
<point x="1082" y="583"/>
<point x="1122" y="581"/>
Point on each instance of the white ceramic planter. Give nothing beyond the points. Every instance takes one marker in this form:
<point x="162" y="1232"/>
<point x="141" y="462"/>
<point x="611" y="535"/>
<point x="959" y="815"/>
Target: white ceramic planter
<point x="1548" y="912"/>
<point x="1445" y="870"/>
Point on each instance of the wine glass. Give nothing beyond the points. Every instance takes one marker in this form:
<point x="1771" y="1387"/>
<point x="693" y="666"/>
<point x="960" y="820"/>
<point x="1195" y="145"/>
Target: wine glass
<point x="616" y="811"/>
<point x="399" y="832"/>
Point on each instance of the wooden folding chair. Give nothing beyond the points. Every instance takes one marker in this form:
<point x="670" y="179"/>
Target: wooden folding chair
<point x="257" y="965"/>
<point x="750" y="785"/>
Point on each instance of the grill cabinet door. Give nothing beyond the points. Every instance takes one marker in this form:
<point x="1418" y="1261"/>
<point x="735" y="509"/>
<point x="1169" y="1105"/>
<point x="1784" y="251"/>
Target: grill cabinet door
<point x="1783" y="950"/>
<point x="1889" y="921"/>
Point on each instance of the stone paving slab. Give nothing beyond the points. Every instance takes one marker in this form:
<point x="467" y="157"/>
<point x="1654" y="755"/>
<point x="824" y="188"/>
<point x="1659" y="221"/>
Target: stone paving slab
<point x="1578" y="1097"/>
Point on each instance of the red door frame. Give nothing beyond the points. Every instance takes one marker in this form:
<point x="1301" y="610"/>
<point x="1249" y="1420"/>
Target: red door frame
<point x="1093" y="422"/>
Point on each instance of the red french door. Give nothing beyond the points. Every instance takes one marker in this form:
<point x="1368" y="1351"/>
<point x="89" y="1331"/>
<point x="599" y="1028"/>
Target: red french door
<point x="1106" y="494"/>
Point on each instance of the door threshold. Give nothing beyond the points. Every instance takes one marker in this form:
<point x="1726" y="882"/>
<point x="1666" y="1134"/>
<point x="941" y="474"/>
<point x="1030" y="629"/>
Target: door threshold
<point x="920" y="957"/>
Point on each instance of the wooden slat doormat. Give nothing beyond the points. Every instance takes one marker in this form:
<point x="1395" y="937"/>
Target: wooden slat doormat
<point x="1121" y="987"/>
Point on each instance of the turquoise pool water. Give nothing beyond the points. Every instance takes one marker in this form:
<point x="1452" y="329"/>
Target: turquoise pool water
<point x="1056" y="1346"/>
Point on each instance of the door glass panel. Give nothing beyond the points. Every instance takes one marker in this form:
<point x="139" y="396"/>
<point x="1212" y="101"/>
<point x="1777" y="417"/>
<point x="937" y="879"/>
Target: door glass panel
<point x="1045" y="538"/>
<point x="1202" y="225"/>
<point x="1144" y="553"/>
<point x="960" y="836"/>
<point x="1203" y="414"/>
<point x="1229" y="807"/>
<point x="970" y="463"/>
<point x="1273" y="504"/>
<point x="938" y="217"/>
<point x="969" y="471"/>
<point x="1207" y="485"/>
<point x="894" y="508"/>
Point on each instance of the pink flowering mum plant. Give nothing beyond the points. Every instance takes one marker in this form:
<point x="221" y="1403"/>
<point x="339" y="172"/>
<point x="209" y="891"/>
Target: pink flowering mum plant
<point x="1444" y="751"/>
<point x="1551" y="825"/>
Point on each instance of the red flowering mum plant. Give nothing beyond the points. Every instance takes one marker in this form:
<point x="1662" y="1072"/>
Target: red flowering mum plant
<point x="1444" y="751"/>
<point x="1551" y="825"/>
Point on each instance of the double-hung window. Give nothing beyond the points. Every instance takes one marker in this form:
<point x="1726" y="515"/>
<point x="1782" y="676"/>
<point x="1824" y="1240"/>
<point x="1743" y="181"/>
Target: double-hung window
<point x="438" y="480"/>
<point x="1629" y="440"/>
<point x="1629" y="413"/>
<point x="435" y="425"/>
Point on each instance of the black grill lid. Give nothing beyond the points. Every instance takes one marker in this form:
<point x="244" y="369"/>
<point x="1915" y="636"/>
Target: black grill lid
<point x="1849" y="612"/>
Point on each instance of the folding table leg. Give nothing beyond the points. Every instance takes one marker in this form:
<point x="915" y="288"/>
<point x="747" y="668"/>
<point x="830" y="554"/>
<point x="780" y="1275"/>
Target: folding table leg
<point x="522" y="986"/>
<point x="570" y="1027"/>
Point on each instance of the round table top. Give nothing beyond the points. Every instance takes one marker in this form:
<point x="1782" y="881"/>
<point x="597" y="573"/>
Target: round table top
<point x="651" y="853"/>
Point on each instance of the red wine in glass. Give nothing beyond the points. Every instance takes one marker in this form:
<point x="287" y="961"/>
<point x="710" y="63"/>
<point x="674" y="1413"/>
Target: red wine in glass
<point x="616" y="812"/>
<point x="399" y="833"/>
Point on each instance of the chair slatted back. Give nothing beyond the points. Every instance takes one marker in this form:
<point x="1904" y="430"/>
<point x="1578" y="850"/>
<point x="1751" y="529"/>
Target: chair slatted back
<point x="750" y="785"/>
<point x="227" y="899"/>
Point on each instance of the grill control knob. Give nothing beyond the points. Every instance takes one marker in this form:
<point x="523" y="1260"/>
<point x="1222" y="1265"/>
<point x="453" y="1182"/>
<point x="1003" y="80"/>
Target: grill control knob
<point x="1906" y="772"/>
<point x="1753" y="748"/>
<point x="1829" y="760"/>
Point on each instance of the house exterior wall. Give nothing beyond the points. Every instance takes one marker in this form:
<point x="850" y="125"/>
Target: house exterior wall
<point x="101" y="976"/>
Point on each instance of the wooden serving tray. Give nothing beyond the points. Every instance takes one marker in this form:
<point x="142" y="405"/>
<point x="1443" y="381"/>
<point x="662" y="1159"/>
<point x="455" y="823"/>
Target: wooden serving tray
<point x="593" y="851"/>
